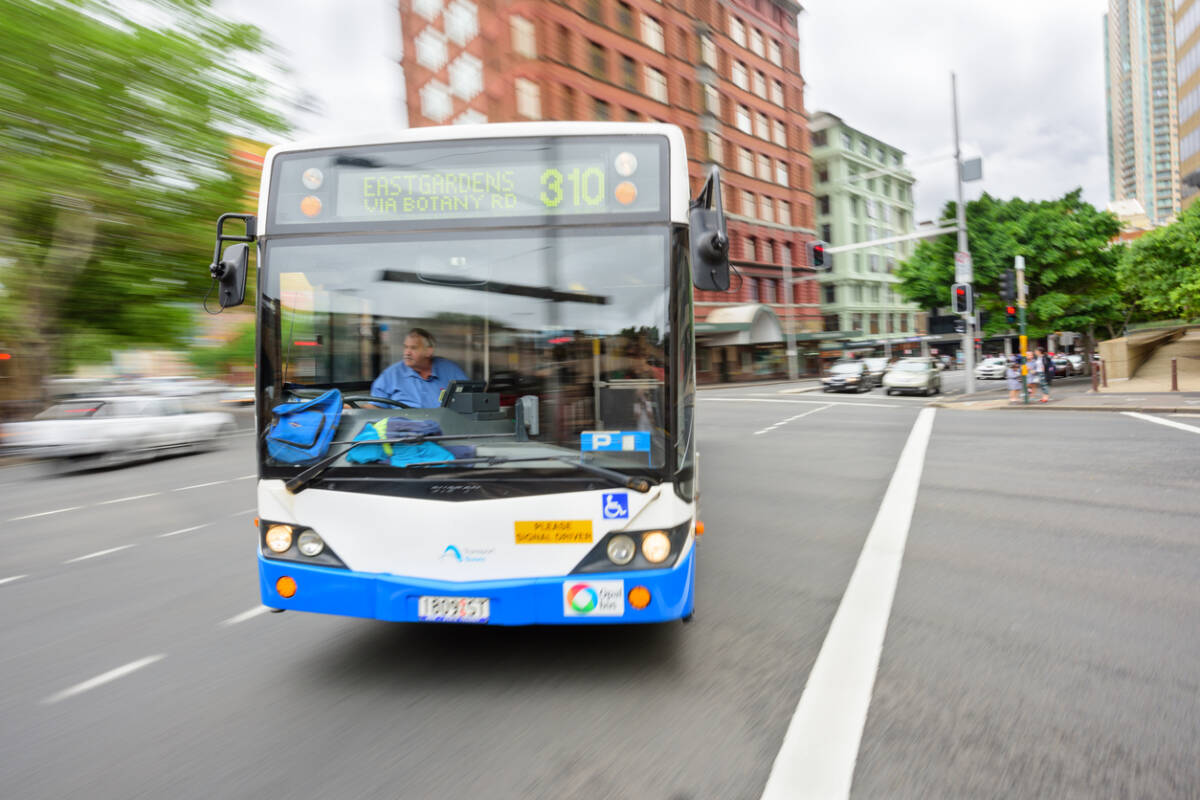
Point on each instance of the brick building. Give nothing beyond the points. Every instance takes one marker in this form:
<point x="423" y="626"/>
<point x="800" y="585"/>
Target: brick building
<point x="725" y="71"/>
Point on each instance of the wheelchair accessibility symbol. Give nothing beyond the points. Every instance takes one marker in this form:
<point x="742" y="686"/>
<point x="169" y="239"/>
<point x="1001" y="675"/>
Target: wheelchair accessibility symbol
<point x="616" y="505"/>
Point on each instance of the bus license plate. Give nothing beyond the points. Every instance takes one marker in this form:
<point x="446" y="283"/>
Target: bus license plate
<point x="454" y="609"/>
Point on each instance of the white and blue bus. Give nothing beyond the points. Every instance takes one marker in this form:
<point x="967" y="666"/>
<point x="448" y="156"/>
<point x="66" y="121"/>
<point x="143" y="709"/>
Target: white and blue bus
<point x="547" y="268"/>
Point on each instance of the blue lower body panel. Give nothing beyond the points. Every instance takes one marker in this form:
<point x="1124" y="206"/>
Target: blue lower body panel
<point x="526" y="601"/>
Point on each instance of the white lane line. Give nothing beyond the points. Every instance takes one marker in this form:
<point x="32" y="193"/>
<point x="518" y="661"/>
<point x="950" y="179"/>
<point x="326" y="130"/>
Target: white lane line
<point x="100" y="680"/>
<point x="99" y="553"/>
<point x="245" y="615"/>
<point x="46" y="513"/>
<point x="790" y="419"/>
<point x="240" y="513"/>
<point x="821" y="746"/>
<point x="183" y="530"/>
<point x="11" y="579"/>
<point x="198" y="486"/>
<point x="124" y="499"/>
<point x="797" y="402"/>
<point x="245" y="477"/>
<point x="1168" y="422"/>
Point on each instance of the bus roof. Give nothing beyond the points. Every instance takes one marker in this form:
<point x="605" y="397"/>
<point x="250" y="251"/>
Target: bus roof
<point x="680" y="188"/>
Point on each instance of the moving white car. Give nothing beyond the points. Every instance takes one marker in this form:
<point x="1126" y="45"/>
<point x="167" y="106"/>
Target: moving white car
<point x="991" y="368"/>
<point x="105" y="431"/>
<point x="915" y="375"/>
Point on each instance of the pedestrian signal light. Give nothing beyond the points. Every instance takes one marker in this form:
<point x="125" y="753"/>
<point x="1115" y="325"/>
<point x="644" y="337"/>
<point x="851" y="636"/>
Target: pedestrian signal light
<point x="1011" y="313"/>
<point x="960" y="298"/>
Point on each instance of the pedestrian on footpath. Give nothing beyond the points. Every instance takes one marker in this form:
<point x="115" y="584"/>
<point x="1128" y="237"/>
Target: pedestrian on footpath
<point x="1012" y="376"/>
<point x="1045" y="373"/>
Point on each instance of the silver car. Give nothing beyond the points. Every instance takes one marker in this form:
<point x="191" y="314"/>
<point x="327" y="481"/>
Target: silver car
<point x="991" y="368"/>
<point x="913" y="375"/>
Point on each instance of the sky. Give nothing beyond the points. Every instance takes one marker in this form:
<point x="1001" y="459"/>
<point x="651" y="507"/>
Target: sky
<point x="1030" y="82"/>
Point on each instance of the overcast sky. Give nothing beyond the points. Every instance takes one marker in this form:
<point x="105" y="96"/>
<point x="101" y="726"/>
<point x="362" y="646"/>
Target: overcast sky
<point x="1030" y="81"/>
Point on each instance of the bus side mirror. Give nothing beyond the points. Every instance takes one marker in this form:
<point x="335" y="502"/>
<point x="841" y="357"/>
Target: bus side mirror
<point x="231" y="275"/>
<point x="709" y="241"/>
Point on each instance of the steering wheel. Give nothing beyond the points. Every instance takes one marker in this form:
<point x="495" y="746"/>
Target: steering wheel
<point x="353" y="399"/>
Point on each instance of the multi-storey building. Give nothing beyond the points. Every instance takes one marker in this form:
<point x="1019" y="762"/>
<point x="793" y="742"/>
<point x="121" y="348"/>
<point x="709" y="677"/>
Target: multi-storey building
<point x="1187" y="75"/>
<point x="863" y="193"/>
<point x="1143" y="123"/>
<point x="725" y="71"/>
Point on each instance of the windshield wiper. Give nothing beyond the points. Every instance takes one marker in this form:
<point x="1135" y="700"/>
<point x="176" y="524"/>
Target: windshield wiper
<point x="302" y="481"/>
<point x="619" y="478"/>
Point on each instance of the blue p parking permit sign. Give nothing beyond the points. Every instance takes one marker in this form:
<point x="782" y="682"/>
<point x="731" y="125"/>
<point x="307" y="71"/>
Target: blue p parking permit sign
<point x="614" y="505"/>
<point x="615" y="441"/>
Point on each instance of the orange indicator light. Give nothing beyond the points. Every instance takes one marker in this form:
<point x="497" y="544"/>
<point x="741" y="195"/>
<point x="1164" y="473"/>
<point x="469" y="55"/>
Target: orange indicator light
<point x="699" y="528"/>
<point x="311" y="206"/>
<point x="625" y="193"/>
<point x="639" y="597"/>
<point x="285" y="586"/>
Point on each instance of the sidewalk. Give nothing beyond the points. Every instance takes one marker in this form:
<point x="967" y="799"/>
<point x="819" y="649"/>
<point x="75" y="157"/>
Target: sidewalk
<point x="1077" y="395"/>
<point x="798" y="385"/>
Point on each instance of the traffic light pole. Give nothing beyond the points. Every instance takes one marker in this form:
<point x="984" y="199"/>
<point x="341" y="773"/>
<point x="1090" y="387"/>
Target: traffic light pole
<point x="1019" y="264"/>
<point x="968" y="342"/>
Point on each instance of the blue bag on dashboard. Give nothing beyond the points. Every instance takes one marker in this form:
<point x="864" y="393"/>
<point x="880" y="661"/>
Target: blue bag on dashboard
<point x="302" y="431"/>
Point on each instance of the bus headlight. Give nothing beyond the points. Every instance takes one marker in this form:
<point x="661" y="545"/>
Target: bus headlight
<point x="656" y="546"/>
<point x="310" y="544"/>
<point x="279" y="538"/>
<point x="621" y="550"/>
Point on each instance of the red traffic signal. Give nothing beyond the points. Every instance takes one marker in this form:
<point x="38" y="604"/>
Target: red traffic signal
<point x="1011" y="313"/>
<point x="960" y="298"/>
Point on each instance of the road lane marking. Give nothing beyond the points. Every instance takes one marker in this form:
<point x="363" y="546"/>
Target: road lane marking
<point x="797" y="402"/>
<point x="183" y="530"/>
<point x="240" y="513"/>
<point x="99" y="553"/>
<point x="11" y="579"/>
<point x="790" y="419"/>
<point x="245" y="615"/>
<point x="1168" y="422"/>
<point x="822" y="742"/>
<point x="245" y="477"/>
<point x="46" y="513"/>
<point x="198" y="486"/>
<point x="124" y="499"/>
<point x="100" y="680"/>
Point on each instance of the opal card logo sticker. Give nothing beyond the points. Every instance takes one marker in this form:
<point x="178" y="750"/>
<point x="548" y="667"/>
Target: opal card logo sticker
<point x="614" y="505"/>
<point x="594" y="598"/>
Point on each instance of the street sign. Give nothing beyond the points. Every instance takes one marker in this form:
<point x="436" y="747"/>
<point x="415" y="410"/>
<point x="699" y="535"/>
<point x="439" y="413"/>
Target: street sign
<point x="972" y="170"/>
<point x="963" y="272"/>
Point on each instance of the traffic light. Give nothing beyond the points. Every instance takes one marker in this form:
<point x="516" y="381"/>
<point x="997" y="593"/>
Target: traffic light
<point x="960" y="298"/>
<point x="1010" y="313"/>
<point x="1008" y="286"/>
<point x="816" y="256"/>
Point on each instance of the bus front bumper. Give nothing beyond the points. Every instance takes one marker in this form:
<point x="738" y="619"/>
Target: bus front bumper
<point x="563" y="600"/>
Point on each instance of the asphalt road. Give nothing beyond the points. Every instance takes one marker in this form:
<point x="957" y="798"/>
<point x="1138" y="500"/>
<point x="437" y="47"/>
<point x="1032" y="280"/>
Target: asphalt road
<point x="1042" y="640"/>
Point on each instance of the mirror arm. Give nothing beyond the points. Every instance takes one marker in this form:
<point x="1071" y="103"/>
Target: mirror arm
<point x="216" y="268"/>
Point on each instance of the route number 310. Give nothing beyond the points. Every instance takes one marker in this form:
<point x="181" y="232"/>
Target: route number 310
<point x="586" y="187"/>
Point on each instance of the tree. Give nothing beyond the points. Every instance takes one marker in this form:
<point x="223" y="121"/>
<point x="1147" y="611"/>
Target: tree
<point x="116" y="133"/>
<point x="1161" y="269"/>
<point x="1070" y="263"/>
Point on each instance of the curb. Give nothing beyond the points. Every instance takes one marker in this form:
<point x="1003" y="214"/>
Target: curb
<point x="1064" y="407"/>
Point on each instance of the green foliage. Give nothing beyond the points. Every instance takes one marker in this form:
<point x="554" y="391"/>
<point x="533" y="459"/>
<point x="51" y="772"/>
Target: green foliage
<point x="237" y="352"/>
<point x="1161" y="269"/>
<point x="116" y="134"/>
<point x="1070" y="264"/>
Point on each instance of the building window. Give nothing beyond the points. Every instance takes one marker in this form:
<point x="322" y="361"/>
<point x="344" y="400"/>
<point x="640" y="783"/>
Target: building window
<point x="431" y="49"/>
<point x="428" y="8"/>
<point x="466" y="76"/>
<point x="774" y="53"/>
<point x="785" y="252"/>
<point x="625" y="18"/>
<point x="768" y="288"/>
<point x="745" y="161"/>
<point x="864" y="147"/>
<point x="764" y="167"/>
<point x="598" y="60"/>
<point x="760" y="84"/>
<point x="762" y="128"/>
<point x="470" y="117"/>
<point x="823" y="204"/>
<point x="847" y="142"/>
<point x="756" y="42"/>
<point x="874" y="323"/>
<point x="629" y="72"/>
<point x="461" y="21"/>
<point x="435" y="101"/>
<point x="737" y="31"/>
<point x="856" y="322"/>
<point x="829" y="295"/>
<point x="781" y="173"/>
<point x="656" y="84"/>
<point x="827" y="232"/>
<point x="769" y="252"/>
<point x="751" y="249"/>
<point x="873" y="262"/>
<point x="600" y="110"/>
<point x="779" y="133"/>
<point x="777" y="94"/>
<point x="715" y="148"/>
<point x="748" y="205"/>
<point x="743" y="120"/>
<point x="708" y="51"/>
<point x="712" y="100"/>
<point x="819" y="139"/>
<point x="529" y="99"/>
<point x="631" y="115"/>
<point x="785" y="218"/>
<point x="594" y="10"/>
<point x="767" y="207"/>
<point x="524" y="37"/>
<point x="739" y="75"/>
<point x="652" y="33"/>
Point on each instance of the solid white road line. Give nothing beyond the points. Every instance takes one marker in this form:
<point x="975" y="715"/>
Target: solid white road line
<point x="245" y="477"/>
<point x="821" y="746"/>
<point x="198" y="486"/>
<point x="245" y="615"/>
<point x="796" y="402"/>
<point x="240" y="513"/>
<point x="46" y="513"/>
<point x="790" y="419"/>
<point x="124" y="499"/>
<point x="100" y="680"/>
<point x="183" y="530"/>
<point x="99" y="553"/>
<point x="1168" y="422"/>
<point x="13" y="578"/>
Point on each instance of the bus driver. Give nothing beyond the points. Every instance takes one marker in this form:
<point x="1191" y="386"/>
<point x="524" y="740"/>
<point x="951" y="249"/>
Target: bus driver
<point x="419" y="380"/>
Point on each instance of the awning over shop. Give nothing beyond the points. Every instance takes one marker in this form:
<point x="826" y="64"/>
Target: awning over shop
<point x="751" y="323"/>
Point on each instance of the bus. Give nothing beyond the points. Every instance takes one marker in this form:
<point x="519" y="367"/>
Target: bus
<point x="549" y="268"/>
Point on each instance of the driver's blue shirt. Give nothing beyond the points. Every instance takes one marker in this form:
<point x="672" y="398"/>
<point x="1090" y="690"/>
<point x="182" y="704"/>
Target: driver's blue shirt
<point x="404" y="384"/>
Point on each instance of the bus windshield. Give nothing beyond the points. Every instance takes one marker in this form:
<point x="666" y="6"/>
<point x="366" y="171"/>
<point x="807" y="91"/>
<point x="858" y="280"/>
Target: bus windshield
<point x="564" y="328"/>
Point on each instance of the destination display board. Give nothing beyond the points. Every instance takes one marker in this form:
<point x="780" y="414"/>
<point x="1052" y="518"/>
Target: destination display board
<point x="496" y="179"/>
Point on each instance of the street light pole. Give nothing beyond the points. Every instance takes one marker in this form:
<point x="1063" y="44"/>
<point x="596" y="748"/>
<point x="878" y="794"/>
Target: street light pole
<point x="968" y="342"/>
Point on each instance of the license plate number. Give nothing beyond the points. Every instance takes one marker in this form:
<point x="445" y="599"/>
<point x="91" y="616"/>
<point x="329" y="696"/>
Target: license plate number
<point x="454" y="609"/>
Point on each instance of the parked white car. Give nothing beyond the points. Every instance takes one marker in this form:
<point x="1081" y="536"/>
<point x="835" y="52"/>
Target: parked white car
<point x="991" y="368"/>
<point x="106" y="431"/>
